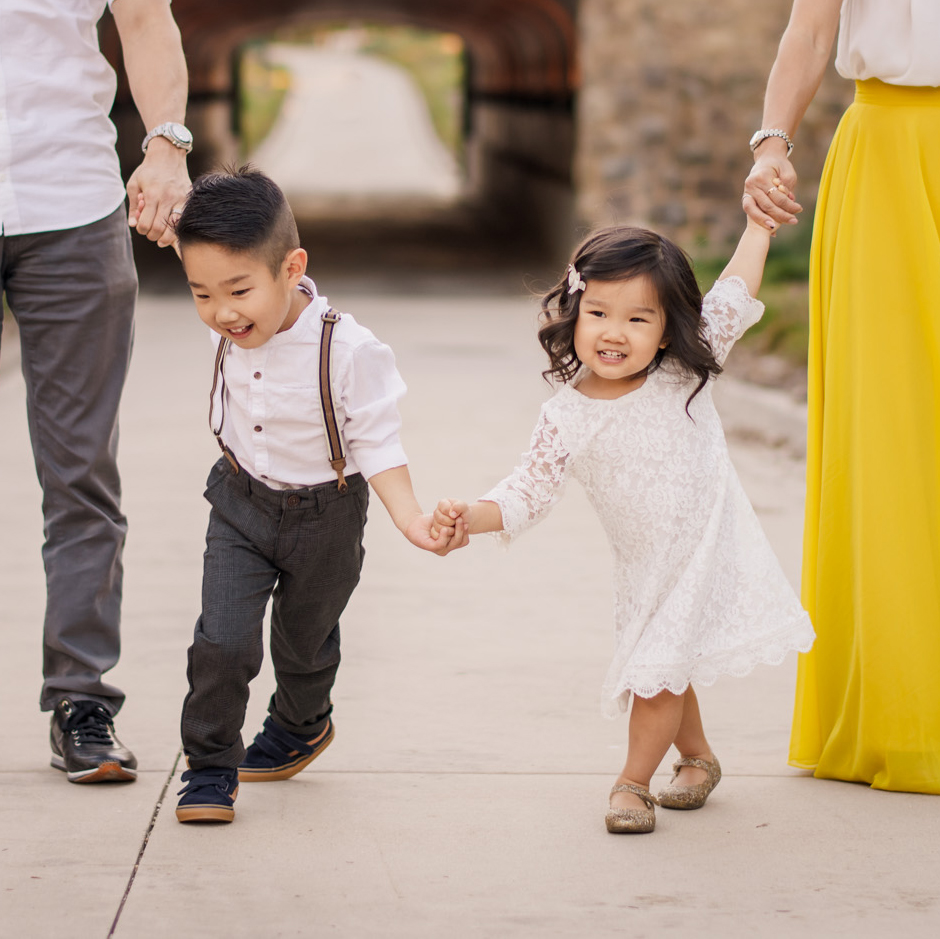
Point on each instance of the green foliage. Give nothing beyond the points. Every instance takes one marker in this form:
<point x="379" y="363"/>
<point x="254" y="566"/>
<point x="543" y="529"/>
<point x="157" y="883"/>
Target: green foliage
<point x="262" y="89"/>
<point x="784" y="328"/>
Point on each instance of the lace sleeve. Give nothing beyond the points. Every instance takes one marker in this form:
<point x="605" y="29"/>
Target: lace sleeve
<point x="528" y="493"/>
<point x="728" y="311"/>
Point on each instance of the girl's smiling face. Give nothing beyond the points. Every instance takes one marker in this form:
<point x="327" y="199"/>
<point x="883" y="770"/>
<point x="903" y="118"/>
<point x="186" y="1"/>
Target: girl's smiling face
<point x="620" y="328"/>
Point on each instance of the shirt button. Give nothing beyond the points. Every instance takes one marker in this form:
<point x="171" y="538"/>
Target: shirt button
<point x="256" y="375"/>
<point x="258" y="428"/>
<point x="293" y="501"/>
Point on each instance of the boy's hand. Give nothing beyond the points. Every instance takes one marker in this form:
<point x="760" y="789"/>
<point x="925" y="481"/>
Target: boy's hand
<point x="448" y="513"/>
<point x="440" y="540"/>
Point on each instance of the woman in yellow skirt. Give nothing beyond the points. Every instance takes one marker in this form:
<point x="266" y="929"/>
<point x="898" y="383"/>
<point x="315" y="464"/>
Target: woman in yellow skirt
<point x="868" y="694"/>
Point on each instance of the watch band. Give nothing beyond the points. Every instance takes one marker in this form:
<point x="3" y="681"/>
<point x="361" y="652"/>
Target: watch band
<point x="762" y="135"/>
<point x="178" y="134"/>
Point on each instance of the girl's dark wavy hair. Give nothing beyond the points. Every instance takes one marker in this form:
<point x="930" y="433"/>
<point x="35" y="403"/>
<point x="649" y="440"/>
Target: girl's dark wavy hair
<point x="621" y="253"/>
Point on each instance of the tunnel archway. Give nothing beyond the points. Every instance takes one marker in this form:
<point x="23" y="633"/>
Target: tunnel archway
<point x="521" y="81"/>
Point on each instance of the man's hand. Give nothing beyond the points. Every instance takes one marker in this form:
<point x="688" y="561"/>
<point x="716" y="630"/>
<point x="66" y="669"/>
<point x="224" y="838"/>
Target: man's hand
<point x="157" y="190"/>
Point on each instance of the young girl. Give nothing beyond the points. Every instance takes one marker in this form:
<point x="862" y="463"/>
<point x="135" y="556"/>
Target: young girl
<point x="698" y="591"/>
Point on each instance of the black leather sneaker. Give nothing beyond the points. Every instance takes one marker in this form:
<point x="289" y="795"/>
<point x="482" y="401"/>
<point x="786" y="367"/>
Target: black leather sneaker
<point x="84" y="745"/>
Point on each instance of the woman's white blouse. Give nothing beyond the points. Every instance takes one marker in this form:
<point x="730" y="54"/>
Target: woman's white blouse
<point x="897" y="41"/>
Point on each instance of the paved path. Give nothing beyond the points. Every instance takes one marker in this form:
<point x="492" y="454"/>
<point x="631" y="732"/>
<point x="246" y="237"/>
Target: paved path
<point x="353" y="124"/>
<point x="465" y="792"/>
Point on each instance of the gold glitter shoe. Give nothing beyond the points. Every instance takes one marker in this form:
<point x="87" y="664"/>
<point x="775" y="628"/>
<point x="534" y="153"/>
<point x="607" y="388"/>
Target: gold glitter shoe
<point x="632" y="821"/>
<point x="690" y="797"/>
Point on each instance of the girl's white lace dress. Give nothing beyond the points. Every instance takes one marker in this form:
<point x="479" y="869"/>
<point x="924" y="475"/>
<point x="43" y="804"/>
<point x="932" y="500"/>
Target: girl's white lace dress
<point x="698" y="590"/>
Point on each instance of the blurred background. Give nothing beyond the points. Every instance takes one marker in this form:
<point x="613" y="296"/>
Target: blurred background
<point x="437" y="145"/>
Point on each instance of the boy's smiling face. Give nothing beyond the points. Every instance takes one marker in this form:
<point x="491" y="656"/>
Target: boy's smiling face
<point x="237" y="295"/>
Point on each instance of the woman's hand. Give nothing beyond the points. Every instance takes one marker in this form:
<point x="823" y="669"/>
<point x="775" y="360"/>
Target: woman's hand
<point x="768" y="191"/>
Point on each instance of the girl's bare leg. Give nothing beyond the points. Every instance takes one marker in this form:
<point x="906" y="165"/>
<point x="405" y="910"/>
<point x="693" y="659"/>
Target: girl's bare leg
<point x="690" y="741"/>
<point x="654" y="723"/>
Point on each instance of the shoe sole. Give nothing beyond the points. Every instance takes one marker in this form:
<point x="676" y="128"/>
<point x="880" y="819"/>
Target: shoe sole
<point x="110" y="771"/>
<point x="286" y="770"/>
<point x="668" y="803"/>
<point x="209" y="812"/>
<point x="205" y="813"/>
<point x="617" y="825"/>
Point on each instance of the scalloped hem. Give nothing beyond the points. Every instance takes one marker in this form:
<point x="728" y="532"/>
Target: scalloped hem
<point x="736" y="665"/>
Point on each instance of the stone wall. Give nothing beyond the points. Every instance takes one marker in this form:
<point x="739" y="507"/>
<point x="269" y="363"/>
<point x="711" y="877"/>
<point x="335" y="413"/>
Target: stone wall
<point x="671" y="91"/>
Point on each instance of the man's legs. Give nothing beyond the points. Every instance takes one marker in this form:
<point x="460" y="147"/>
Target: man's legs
<point x="72" y="293"/>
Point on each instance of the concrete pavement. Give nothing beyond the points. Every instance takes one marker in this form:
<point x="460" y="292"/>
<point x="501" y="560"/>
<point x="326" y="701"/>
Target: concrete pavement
<point x="466" y="788"/>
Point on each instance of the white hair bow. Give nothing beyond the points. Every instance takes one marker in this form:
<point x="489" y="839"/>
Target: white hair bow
<point x="575" y="280"/>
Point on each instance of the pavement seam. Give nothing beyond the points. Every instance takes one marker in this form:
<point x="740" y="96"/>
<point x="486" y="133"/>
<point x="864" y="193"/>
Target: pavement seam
<point x="143" y="844"/>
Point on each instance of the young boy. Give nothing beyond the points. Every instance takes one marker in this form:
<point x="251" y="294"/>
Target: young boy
<point x="285" y="520"/>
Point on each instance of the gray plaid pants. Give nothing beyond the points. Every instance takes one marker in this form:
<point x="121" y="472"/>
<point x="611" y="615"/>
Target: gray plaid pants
<point x="304" y="548"/>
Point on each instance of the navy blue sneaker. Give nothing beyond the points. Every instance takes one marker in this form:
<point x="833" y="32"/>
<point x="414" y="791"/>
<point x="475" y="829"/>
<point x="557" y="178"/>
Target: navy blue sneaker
<point x="279" y="754"/>
<point x="84" y="745"/>
<point x="208" y="796"/>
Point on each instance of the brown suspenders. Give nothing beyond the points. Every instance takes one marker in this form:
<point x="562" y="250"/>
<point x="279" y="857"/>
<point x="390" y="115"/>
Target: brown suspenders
<point x="219" y="373"/>
<point x="337" y="457"/>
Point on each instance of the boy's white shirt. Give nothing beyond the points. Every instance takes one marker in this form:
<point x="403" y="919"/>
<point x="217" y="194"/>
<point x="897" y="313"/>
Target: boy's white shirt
<point x="276" y="388"/>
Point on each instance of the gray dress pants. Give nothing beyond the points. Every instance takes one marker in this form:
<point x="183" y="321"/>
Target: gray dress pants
<point x="72" y="293"/>
<point x="304" y="548"/>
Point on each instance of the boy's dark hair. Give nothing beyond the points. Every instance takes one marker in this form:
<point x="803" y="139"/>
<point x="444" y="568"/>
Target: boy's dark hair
<point x="620" y="253"/>
<point x="239" y="209"/>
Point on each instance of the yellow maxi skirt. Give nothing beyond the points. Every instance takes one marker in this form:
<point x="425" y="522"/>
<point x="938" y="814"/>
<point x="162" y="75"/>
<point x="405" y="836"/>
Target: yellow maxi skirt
<point x="868" y="694"/>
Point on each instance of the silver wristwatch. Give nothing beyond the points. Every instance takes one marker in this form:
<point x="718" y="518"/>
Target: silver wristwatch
<point x="177" y="134"/>
<point x="771" y="132"/>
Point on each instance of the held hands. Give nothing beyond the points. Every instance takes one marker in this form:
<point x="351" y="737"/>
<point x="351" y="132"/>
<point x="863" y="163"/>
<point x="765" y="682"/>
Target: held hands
<point x="157" y="190"/>
<point x="450" y="513"/>
<point x="425" y="532"/>
<point x="768" y="192"/>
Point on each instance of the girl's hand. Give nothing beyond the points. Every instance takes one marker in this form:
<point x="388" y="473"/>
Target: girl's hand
<point x="448" y="513"/>
<point x="422" y="535"/>
<point x="768" y="192"/>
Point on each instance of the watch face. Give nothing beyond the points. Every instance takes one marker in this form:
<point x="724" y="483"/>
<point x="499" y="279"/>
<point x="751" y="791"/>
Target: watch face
<point x="181" y="133"/>
<point x="756" y="139"/>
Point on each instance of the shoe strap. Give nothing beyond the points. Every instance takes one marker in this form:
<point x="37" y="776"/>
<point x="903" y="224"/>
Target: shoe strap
<point x="200" y="778"/>
<point x="276" y="742"/>
<point x="692" y="761"/>
<point x="644" y="794"/>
